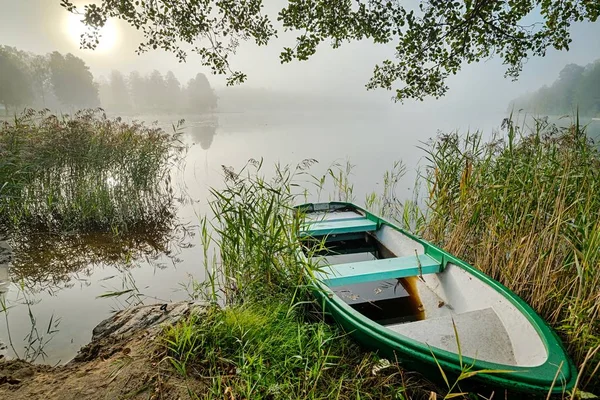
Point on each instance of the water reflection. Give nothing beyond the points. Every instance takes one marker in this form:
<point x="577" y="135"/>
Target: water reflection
<point x="4" y="283"/>
<point x="51" y="262"/>
<point x="204" y="133"/>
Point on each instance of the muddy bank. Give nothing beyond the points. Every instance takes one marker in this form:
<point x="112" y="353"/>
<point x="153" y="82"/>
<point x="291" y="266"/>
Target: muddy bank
<point x="123" y="360"/>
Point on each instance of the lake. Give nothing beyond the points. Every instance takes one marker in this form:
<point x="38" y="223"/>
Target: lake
<point x="58" y="285"/>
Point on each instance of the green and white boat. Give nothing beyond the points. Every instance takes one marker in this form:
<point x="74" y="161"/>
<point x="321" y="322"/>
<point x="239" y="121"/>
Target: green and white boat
<point x="406" y="298"/>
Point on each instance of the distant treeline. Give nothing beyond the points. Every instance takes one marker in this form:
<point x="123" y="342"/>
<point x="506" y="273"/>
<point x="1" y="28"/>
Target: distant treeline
<point x="155" y="93"/>
<point x="577" y="87"/>
<point x="45" y="81"/>
<point x="56" y="81"/>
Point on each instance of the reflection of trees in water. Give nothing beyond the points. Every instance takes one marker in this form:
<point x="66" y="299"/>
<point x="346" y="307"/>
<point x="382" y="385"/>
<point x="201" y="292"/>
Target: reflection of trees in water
<point x="204" y="133"/>
<point x="54" y="261"/>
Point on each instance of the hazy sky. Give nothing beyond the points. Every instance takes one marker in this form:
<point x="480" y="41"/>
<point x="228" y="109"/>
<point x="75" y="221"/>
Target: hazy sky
<point x="41" y="26"/>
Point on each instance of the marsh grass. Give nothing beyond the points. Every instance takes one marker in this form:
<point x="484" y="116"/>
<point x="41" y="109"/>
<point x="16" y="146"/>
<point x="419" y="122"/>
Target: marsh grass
<point x="525" y="209"/>
<point x="265" y="350"/>
<point x="254" y="227"/>
<point x="84" y="172"/>
<point x="271" y="341"/>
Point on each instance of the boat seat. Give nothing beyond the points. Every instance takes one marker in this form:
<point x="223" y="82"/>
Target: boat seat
<point x="377" y="270"/>
<point x="327" y="227"/>
<point x="481" y="334"/>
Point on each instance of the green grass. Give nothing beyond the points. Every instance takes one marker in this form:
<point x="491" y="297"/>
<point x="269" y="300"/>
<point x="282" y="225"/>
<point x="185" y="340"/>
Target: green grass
<point x="84" y="172"/>
<point x="265" y="350"/>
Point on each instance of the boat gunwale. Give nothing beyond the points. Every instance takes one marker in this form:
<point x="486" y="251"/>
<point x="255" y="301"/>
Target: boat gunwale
<point x="529" y="378"/>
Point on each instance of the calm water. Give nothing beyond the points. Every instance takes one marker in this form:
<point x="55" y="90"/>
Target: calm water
<point x="68" y="291"/>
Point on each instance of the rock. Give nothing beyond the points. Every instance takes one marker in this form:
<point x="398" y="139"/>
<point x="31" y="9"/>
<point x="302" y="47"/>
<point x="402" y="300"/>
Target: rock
<point x="112" y="335"/>
<point x="149" y="318"/>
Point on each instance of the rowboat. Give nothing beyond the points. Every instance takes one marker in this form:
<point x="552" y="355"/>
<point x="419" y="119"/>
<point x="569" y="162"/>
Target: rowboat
<point x="417" y="304"/>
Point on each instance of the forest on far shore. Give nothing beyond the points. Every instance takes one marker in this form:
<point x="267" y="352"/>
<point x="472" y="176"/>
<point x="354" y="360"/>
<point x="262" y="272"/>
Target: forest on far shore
<point x="58" y="82"/>
<point x="577" y="88"/>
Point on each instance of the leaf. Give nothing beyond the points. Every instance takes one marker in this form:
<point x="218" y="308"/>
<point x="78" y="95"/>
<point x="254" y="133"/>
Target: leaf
<point x="114" y="294"/>
<point x="453" y="395"/>
<point x="440" y="367"/>
<point x="466" y="375"/>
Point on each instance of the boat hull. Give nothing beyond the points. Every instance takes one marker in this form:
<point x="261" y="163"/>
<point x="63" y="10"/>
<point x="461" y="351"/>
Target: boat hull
<point x="557" y="374"/>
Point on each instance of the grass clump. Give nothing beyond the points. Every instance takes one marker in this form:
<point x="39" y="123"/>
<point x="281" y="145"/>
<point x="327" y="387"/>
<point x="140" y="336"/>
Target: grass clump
<point x="84" y="172"/>
<point x="526" y="211"/>
<point x="265" y="350"/>
<point x="270" y="341"/>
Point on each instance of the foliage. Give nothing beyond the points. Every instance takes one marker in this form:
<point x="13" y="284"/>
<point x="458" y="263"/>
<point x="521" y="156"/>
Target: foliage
<point x="577" y="88"/>
<point x="72" y="81"/>
<point x="265" y="350"/>
<point x="155" y="93"/>
<point x="44" y="81"/>
<point x="84" y="172"/>
<point x="201" y="96"/>
<point x="433" y="40"/>
<point x="526" y="212"/>
<point x="119" y="93"/>
<point x="254" y="224"/>
<point x="14" y="80"/>
<point x="55" y="80"/>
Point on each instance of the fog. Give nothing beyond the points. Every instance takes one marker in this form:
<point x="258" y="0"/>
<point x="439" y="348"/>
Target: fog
<point x="318" y="109"/>
<point x="42" y="26"/>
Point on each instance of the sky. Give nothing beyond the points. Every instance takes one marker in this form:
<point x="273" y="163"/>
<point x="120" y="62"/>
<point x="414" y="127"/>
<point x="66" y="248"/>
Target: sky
<point x="41" y="26"/>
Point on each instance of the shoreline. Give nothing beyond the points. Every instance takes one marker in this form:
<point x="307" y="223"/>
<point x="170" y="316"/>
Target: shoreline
<point x="123" y="358"/>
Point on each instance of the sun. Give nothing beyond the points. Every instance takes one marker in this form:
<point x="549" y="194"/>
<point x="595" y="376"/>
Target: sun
<point x="74" y="28"/>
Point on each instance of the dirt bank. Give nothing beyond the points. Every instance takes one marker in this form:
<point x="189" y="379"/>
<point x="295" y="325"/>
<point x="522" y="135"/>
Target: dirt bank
<point x="123" y="360"/>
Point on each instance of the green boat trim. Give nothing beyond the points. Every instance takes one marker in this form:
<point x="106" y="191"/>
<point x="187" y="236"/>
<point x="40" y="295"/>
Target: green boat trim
<point x="556" y="374"/>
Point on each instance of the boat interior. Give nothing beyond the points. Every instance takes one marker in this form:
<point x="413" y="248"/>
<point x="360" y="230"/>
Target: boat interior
<point x="387" y="277"/>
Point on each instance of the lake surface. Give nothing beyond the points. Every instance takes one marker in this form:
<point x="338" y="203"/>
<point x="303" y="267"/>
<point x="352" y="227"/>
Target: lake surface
<point x="65" y="298"/>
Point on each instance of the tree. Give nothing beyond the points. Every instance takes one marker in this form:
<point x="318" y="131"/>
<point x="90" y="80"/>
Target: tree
<point x="588" y="90"/>
<point x="15" y="89"/>
<point x="576" y="88"/>
<point x="119" y="92"/>
<point x="566" y="85"/>
<point x="200" y="95"/>
<point x="172" y="91"/>
<point x="40" y="77"/>
<point x="156" y="90"/>
<point x="137" y="88"/>
<point x="433" y="40"/>
<point x="72" y="81"/>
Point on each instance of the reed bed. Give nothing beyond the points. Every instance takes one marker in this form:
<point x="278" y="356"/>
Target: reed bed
<point x="84" y="172"/>
<point x="525" y="209"/>
<point x="522" y="208"/>
<point x="270" y="341"/>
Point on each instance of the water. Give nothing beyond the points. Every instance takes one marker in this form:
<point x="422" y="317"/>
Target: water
<point x="62" y="278"/>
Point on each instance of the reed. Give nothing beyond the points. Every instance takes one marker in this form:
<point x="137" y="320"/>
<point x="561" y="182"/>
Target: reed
<point x="271" y="341"/>
<point x="525" y="209"/>
<point x="84" y="172"/>
<point x="521" y="208"/>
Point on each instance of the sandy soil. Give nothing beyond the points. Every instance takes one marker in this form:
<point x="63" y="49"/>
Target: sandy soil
<point x="112" y="366"/>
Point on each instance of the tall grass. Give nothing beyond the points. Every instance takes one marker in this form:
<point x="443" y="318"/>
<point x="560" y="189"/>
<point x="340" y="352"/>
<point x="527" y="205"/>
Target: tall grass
<point x="525" y="209"/>
<point x="271" y="341"/>
<point x="84" y="172"/>
<point x="255" y="230"/>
